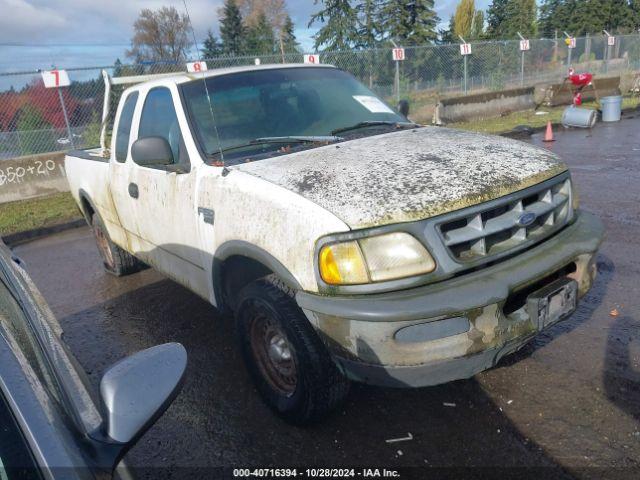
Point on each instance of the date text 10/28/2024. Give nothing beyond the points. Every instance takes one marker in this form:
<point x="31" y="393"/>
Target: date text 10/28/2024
<point x="315" y="473"/>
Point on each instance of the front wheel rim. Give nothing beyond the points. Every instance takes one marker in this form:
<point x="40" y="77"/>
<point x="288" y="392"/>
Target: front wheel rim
<point x="273" y="354"/>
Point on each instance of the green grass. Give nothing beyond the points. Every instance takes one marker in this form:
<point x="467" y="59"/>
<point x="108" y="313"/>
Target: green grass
<point x="529" y="118"/>
<point x="38" y="212"/>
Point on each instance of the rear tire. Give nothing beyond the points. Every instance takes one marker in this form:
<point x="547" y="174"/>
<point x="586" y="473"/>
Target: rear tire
<point x="115" y="260"/>
<point x="290" y="365"/>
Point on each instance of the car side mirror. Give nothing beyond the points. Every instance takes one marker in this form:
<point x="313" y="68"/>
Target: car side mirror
<point x="134" y="393"/>
<point x="403" y="108"/>
<point x="152" y="151"/>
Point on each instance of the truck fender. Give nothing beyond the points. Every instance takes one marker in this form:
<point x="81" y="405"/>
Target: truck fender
<point x="86" y="205"/>
<point x="241" y="248"/>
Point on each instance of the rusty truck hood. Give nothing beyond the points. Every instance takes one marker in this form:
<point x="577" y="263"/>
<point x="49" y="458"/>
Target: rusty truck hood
<point x="408" y="175"/>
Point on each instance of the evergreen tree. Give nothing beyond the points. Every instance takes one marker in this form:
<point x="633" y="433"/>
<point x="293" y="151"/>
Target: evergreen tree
<point x="448" y="36"/>
<point x="232" y="31"/>
<point x="368" y="33"/>
<point x="289" y="41"/>
<point x="579" y="17"/>
<point x="465" y="11"/>
<point x="549" y="20"/>
<point x="506" y="18"/>
<point x="260" y="38"/>
<point x="635" y="13"/>
<point x="411" y="22"/>
<point x="212" y="48"/>
<point x="340" y="24"/>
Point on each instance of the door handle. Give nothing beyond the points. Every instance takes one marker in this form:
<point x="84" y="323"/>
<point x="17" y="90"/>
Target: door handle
<point x="133" y="190"/>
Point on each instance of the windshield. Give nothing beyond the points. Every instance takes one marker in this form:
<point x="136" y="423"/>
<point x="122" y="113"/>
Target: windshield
<point x="284" y="102"/>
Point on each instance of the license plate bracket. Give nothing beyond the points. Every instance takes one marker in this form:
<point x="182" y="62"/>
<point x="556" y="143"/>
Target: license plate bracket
<point x="552" y="303"/>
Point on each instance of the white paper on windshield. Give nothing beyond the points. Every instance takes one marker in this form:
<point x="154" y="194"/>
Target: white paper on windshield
<point x="373" y="104"/>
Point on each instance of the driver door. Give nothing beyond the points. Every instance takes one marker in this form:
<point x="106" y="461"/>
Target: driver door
<point x="163" y="196"/>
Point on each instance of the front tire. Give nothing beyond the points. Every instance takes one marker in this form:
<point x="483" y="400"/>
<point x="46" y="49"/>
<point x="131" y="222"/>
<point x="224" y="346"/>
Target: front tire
<point x="115" y="260"/>
<point x="290" y="365"/>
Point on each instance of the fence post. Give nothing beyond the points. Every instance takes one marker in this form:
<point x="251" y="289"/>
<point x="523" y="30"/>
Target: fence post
<point x="465" y="55"/>
<point x="397" y="81"/>
<point x="606" y="54"/>
<point x="569" y="49"/>
<point x="66" y="117"/>
<point x="524" y="45"/>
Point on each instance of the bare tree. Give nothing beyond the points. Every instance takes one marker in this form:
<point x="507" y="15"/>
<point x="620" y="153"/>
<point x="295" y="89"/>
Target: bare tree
<point x="160" y="35"/>
<point x="274" y="10"/>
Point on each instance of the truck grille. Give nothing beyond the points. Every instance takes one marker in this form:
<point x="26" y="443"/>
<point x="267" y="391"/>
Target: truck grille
<point x="520" y="219"/>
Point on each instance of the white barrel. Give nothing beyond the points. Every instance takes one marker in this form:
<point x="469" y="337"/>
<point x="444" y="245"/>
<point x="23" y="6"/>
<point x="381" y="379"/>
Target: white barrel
<point x="579" y="117"/>
<point x="611" y="108"/>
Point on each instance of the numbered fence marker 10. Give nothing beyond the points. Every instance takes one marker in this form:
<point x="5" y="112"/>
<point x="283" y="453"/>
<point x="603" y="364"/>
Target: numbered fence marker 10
<point x="611" y="41"/>
<point x="312" y="58"/>
<point x="195" y="67"/>
<point x="465" y="49"/>
<point x="55" y="78"/>
<point x="398" y="54"/>
<point x="524" y="45"/>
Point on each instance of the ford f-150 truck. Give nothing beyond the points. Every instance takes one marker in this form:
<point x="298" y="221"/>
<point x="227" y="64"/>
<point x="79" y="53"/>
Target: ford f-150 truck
<point x="348" y="242"/>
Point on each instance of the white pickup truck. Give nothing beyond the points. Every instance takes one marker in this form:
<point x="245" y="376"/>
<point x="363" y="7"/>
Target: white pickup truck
<point x="348" y="242"/>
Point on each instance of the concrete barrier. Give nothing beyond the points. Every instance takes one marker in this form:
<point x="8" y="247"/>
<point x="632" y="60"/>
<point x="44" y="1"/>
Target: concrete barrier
<point x="32" y="176"/>
<point x="561" y="93"/>
<point x="483" y="105"/>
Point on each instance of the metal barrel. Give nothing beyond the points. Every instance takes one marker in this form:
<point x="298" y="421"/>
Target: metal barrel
<point x="611" y="108"/>
<point x="579" y="117"/>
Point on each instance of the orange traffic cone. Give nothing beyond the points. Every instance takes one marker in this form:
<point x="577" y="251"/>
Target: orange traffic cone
<point x="548" y="135"/>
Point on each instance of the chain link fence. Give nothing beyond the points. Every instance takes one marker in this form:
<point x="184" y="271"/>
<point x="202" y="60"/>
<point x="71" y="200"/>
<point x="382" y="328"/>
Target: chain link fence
<point x="32" y="119"/>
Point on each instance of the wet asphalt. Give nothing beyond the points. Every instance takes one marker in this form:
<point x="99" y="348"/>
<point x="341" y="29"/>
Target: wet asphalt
<point x="569" y="400"/>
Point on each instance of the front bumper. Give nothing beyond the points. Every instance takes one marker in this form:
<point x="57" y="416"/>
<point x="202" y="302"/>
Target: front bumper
<point x="460" y="326"/>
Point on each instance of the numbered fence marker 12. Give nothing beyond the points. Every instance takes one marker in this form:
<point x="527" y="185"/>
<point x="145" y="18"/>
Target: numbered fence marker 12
<point x="398" y="54"/>
<point x="465" y="49"/>
<point x="195" y="67"/>
<point x="312" y="58"/>
<point x="524" y="45"/>
<point x="55" y="78"/>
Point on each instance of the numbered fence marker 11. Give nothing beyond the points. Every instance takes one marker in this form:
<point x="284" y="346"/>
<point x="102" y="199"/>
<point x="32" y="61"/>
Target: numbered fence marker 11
<point x="312" y="58"/>
<point x="195" y="67"/>
<point x="465" y="49"/>
<point x="57" y="79"/>
<point x="611" y="40"/>
<point x="398" y="54"/>
<point x="524" y="45"/>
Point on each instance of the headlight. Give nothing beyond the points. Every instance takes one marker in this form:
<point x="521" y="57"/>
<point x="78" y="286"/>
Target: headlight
<point x="575" y="199"/>
<point x="374" y="259"/>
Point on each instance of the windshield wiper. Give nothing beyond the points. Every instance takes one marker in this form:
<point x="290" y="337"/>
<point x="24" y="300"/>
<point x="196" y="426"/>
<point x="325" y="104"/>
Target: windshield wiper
<point x="372" y="123"/>
<point x="283" y="140"/>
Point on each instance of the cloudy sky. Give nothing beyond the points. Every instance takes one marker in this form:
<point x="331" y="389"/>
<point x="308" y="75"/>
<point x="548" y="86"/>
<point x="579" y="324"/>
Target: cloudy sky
<point x="81" y="33"/>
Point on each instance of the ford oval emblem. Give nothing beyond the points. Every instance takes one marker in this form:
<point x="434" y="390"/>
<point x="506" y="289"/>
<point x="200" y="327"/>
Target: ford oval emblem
<point x="526" y="219"/>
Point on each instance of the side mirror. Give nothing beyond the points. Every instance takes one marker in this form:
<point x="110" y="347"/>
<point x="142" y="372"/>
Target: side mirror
<point x="403" y="108"/>
<point x="134" y="393"/>
<point x="152" y="151"/>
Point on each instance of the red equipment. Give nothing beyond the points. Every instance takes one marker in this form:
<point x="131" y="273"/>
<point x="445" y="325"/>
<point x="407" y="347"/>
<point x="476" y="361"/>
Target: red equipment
<point x="579" y="81"/>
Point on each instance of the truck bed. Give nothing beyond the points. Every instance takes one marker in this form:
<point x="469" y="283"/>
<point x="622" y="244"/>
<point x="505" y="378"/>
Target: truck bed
<point x="95" y="154"/>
